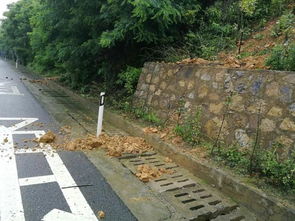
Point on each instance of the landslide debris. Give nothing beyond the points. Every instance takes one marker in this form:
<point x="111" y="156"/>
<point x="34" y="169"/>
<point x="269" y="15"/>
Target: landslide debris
<point x="49" y="137"/>
<point x="146" y="173"/>
<point x="114" y="145"/>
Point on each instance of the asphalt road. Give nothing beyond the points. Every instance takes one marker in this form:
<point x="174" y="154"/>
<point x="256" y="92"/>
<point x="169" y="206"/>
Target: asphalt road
<point x="37" y="184"/>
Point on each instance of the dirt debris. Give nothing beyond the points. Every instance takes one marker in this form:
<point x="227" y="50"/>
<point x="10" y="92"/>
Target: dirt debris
<point x="66" y="129"/>
<point x="44" y="80"/>
<point x="101" y="214"/>
<point x="5" y="140"/>
<point x="168" y="160"/>
<point x="150" y="130"/>
<point x="49" y="137"/>
<point x="146" y="173"/>
<point x="114" y="145"/>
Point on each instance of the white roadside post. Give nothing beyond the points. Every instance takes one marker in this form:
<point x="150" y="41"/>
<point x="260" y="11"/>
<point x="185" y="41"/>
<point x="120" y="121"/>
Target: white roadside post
<point x="100" y="113"/>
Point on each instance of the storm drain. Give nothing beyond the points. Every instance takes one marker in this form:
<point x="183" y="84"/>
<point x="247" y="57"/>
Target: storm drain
<point x="189" y="198"/>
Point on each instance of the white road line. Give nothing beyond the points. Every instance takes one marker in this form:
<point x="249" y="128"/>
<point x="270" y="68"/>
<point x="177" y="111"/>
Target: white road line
<point x="15" y="91"/>
<point x="24" y="122"/>
<point x="73" y="196"/>
<point x="6" y="89"/>
<point x="58" y="215"/>
<point x="10" y="196"/>
<point x="36" y="180"/>
<point x="28" y="132"/>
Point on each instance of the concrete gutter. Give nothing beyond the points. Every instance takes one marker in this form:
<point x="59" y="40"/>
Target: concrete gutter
<point x="264" y="207"/>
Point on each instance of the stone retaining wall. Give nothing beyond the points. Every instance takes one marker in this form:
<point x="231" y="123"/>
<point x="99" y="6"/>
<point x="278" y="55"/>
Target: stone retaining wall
<point x="241" y="97"/>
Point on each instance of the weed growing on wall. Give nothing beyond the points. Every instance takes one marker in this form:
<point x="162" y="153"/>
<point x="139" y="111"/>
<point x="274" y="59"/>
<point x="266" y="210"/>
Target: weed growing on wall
<point x="190" y="129"/>
<point x="138" y="112"/>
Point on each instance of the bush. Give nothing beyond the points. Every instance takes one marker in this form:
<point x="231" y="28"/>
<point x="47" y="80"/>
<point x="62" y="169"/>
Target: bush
<point x="129" y="79"/>
<point x="282" y="58"/>
<point x="278" y="173"/>
<point x="285" y="23"/>
<point x="235" y="158"/>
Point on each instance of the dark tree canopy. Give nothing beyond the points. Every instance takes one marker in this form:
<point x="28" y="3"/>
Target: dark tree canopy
<point x="96" y="40"/>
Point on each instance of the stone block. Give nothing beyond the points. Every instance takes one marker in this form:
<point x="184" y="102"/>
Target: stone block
<point x="216" y="108"/>
<point x="163" y="85"/>
<point x="156" y="80"/>
<point x="267" y="125"/>
<point x="158" y="92"/>
<point x="273" y="90"/>
<point x="258" y="106"/>
<point x="275" y="112"/>
<point x="256" y="86"/>
<point x="181" y="83"/>
<point x="191" y="95"/>
<point x="212" y="128"/>
<point x="191" y="85"/>
<point x="288" y="125"/>
<point x="292" y="109"/>
<point x="285" y="141"/>
<point x="152" y="88"/>
<point x="203" y="91"/>
<point x="286" y="94"/>
<point x="148" y="78"/>
<point x="206" y="77"/>
<point x="290" y="78"/>
<point x="219" y="76"/>
<point x="237" y="103"/>
<point x="242" y="138"/>
<point x="214" y="97"/>
<point x="215" y="85"/>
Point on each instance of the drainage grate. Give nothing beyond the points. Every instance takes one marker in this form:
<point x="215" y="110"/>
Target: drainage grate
<point x="199" y="204"/>
<point x="151" y="159"/>
<point x="189" y="198"/>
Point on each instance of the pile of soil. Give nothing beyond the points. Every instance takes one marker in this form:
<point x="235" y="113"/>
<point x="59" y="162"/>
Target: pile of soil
<point x="114" y="145"/>
<point x="254" y="51"/>
<point x="230" y="61"/>
<point x="49" y="137"/>
<point x="146" y="173"/>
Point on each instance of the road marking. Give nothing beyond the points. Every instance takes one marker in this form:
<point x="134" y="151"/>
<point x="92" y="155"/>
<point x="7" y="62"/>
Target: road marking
<point x="73" y="196"/>
<point x="6" y="89"/>
<point x="36" y="180"/>
<point x="10" y="201"/>
<point x="10" y="198"/>
<point x="58" y="215"/>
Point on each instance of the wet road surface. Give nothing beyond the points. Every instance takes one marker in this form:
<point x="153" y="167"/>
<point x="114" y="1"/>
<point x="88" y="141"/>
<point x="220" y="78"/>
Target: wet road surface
<point x="38" y="183"/>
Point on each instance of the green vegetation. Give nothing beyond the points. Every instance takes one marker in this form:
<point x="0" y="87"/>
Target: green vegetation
<point x="137" y="112"/>
<point x="282" y="57"/>
<point x="128" y="79"/>
<point x="190" y="129"/>
<point x="268" y="165"/>
<point x="106" y="41"/>
<point x="284" y="25"/>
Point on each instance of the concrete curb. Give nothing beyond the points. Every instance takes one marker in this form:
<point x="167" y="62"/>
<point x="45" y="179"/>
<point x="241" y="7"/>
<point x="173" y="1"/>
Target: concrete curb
<point x="265" y="207"/>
